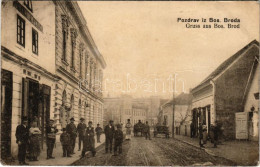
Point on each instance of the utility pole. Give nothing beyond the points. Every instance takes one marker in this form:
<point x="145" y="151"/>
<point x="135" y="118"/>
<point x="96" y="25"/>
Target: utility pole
<point x="173" y="118"/>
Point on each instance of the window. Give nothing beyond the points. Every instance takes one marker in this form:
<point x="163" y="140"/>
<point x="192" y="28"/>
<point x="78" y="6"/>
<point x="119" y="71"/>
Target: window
<point x="20" y="31"/>
<point x="28" y="4"/>
<point x="35" y="41"/>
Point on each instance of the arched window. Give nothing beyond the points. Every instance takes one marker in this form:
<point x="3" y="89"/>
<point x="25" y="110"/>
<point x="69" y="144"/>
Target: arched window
<point x="72" y="106"/>
<point x="79" y="110"/>
<point x="64" y="98"/>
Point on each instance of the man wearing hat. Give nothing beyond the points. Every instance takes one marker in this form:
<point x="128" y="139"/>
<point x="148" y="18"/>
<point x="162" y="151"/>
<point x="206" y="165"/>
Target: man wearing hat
<point x="109" y="133"/>
<point x="51" y="131"/>
<point x="22" y="136"/>
<point x="72" y="131"/>
<point x="98" y="132"/>
<point x="89" y="141"/>
<point x="81" y="130"/>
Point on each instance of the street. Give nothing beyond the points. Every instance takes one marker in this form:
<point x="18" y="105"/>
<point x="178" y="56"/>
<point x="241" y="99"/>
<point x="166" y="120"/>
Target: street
<point x="155" y="152"/>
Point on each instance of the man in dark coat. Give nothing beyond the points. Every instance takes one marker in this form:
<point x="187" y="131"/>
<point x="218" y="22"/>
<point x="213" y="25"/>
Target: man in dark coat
<point x="146" y="131"/>
<point x="192" y="130"/>
<point x="216" y="132"/>
<point x="98" y="132"/>
<point x="118" y="139"/>
<point x="109" y="133"/>
<point x="72" y="131"/>
<point x="89" y="141"/>
<point x="81" y="130"/>
<point x="51" y="131"/>
<point x="65" y="142"/>
<point x="22" y="136"/>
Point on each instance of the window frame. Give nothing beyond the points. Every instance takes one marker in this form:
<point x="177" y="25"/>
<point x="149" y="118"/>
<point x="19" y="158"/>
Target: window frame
<point x="19" y="38"/>
<point x="35" y="32"/>
<point x="28" y="4"/>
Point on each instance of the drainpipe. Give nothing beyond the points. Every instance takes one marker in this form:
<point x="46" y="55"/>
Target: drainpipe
<point x="214" y="100"/>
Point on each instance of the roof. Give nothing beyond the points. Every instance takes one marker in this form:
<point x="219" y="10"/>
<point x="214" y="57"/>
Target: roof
<point x="226" y="64"/>
<point x="182" y="99"/>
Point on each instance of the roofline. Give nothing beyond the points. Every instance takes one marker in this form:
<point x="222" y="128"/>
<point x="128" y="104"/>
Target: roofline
<point x="207" y="82"/>
<point x="86" y="32"/>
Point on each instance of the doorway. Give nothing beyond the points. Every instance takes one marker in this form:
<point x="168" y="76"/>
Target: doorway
<point x="6" y="113"/>
<point x="36" y="104"/>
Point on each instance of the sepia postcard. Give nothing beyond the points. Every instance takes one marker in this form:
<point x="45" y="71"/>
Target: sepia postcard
<point x="129" y="83"/>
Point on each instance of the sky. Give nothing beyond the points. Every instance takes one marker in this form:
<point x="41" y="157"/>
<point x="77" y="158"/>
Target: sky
<point x="148" y="52"/>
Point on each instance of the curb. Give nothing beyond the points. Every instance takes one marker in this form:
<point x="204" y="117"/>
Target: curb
<point x="206" y="150"/>
<point x="86" y="154"/>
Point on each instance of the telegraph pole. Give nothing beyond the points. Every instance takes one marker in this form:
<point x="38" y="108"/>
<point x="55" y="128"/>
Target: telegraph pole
<point x="173" y="113"/>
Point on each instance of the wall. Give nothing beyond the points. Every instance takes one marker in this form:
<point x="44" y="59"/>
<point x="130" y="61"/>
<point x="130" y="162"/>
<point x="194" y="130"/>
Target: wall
<point x="46" y="38"/>
<point x="230" y="87"/>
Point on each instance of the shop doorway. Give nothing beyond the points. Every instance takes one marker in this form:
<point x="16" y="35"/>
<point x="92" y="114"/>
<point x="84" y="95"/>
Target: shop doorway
<point x="36" y="104"/>
<point x="6" y="113"/>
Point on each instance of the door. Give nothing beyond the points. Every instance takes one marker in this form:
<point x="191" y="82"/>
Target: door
<point x="44" y="110"/>
<point x="6" y="113"/>
<point x="242" y="125"/>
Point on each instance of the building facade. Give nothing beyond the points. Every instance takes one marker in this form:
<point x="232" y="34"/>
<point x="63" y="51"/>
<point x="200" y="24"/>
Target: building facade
<point x="80" y="65"/>
<point x="224" y="92"/>
<point x="180" y="107"/>
<point x="51" y="68"/>
<point x="27" y="80"/>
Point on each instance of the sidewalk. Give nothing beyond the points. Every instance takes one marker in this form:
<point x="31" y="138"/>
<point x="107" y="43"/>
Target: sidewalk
<point x="244" y="153"/>
<point x="57" y="153"/>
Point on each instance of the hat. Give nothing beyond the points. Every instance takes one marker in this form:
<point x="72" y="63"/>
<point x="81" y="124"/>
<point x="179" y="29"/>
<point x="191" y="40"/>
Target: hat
<point x="72" y="119"/>
<point x="111" y="121"/>
<point x="98" y="124"/>
<point x="63" y="129"/>
<point x="90" y="122"/>
<point x="82" y="119"/>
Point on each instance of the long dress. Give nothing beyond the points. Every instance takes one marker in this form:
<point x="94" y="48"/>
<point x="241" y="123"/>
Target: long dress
<point x="128" y="127"/>
<point x="34" y="146"/>
<point x="89" y="141"/>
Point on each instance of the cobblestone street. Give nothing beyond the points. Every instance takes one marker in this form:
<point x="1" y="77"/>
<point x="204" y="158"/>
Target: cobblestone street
<point x="155" y="152"/>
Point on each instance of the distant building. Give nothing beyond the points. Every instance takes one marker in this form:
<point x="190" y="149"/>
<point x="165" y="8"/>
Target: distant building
<point x="180" y="106"/>
<point x="228" y="90"/>
<point x="125" y="107"/>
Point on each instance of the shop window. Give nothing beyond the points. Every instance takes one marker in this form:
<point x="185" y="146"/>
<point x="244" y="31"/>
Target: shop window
<point x="34" y="41"/>
<point x="20" y="31"/>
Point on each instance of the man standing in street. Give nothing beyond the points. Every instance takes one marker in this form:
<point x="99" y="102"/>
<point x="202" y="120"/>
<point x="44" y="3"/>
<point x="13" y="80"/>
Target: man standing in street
<point x="89" y="141"/>
<point x="128" y="127"/>
<point x="81" y="130"/>
<point x="109" y="133"/>
<point x="147" y="131"/>
<point x="72" y="131"/>
<point x="51" y="131"/>
<point x="22" y="136"/>
<point x="98" y="132"/>
<point x="201" y="143"/>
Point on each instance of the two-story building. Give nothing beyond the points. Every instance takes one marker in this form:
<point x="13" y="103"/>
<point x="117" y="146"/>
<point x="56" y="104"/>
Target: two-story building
<point x="51" y="68"/>
<point x="80" y="65"/>
<point x="27" y="43"/>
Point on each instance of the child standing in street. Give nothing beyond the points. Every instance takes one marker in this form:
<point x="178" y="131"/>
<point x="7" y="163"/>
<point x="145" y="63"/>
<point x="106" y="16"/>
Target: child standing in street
<point x="65" y="142"/>
<point x="118" y="140"/>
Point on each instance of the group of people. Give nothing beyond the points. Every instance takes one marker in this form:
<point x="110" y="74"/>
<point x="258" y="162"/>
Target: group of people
<point x="28" y="139"/>
<point x="214" y="133"/>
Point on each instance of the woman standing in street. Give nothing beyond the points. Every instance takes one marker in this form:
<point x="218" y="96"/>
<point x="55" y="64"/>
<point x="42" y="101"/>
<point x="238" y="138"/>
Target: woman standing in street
<point x="34" y="138"/>
<point x="128" y="127"/>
